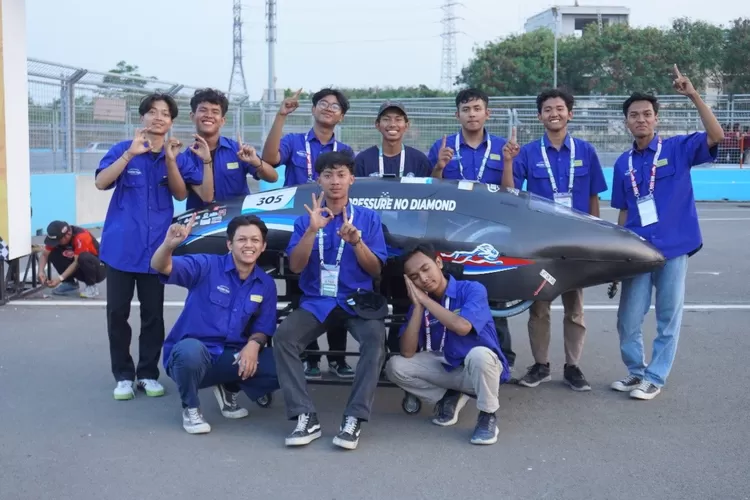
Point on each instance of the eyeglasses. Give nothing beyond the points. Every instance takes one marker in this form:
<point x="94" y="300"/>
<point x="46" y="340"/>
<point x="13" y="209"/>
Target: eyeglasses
<point x="327" y="105"/>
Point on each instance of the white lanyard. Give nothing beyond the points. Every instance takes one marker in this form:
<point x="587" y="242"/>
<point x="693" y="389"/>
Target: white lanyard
<point x="652" y="182"/>
<point x="341" y="243"/>
<point x="484" y="160"/>
<point x="572" y="165"/>
<point x="447" y="305"/>
<point x="309" y="155"/>
<point x="401" y="162"/>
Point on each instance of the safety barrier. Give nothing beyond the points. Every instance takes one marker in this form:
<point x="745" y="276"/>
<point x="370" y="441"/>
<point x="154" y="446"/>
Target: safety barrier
<point x="75" y="199"/>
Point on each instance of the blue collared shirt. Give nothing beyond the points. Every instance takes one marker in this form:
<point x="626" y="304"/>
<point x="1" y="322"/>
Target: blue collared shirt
<point x="677" y="231"/>
<point x="230" y="174"/>
<point x="469" y="300"/>
<point x="588" y="177"/>
<point x="351" y="275"/>
<point x="471" y="159"/>
<point x="141" y="208"/>
<point x="416" y="164"/>
<point x="221" y="310"/>
<point x="293" y="154"/>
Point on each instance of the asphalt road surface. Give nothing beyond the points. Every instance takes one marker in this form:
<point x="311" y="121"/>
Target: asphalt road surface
<point x="65" y="437"/>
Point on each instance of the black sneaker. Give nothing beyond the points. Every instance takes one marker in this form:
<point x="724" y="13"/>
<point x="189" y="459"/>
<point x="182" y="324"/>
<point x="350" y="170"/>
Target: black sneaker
<point x="537" y="374"/>
<point x="575" y="379"/>
<point x="228" y="402"/>
<point x="341" y="370"/>
<point x="447" y="409"/>
<point x="645" y="390"/>
<point x="348" y="435"/>
<point x="627" y="384"/>
<point x="486" y="430"/>
<point x="307" y="430"/>
<point x="312" y="371"/>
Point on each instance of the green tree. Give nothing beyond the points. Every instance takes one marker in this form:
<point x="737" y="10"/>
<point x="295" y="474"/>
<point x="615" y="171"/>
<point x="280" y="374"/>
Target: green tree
<point x="127" y="70"/>
<point x="735" y="67"/>
<point x="418" y="91"/>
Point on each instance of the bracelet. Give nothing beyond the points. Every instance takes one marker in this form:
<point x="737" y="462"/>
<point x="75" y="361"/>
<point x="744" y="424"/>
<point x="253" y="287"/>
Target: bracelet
<point x="126" y="157"/>
<point x="208" y="162"/>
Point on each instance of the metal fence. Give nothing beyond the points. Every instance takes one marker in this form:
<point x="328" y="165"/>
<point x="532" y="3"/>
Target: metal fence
<point x="75" y="115"/>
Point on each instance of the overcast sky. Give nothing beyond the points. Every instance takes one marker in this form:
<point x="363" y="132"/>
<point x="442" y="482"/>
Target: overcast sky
<point x="381" y="43"/>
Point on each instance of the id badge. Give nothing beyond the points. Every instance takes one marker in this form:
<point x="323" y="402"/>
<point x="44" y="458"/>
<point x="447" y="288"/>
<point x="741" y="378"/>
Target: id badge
<point x="647" y="210"/>
<point x="564" y="199"/>
<point x="329" y="280"/>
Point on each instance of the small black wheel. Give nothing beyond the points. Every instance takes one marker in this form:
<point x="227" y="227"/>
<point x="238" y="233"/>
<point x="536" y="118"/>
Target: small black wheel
<point x="265" y="401"/>
<point x="411" y="404"/>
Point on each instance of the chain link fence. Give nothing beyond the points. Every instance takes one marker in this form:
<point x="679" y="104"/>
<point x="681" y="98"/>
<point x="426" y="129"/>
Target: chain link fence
<point x="75" y="116"/>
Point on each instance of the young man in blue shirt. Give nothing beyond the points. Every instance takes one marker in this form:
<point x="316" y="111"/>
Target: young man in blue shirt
<point x="338" y="249"/>
<point x="299" y="153"/>
<point x="652" y="188"/>
<point x="473" y="154"/>
<point x="146" y="173"/>
<point x="392" y="157"/>
<point x="220" y="337"/>
<point x="449" y="346"/>
<point x="226" y="163"/>
<point x="565" y="169"/>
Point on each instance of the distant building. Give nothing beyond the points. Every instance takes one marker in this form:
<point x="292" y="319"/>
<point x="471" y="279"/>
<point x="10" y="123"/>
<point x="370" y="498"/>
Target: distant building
<point x="573" y="19"/>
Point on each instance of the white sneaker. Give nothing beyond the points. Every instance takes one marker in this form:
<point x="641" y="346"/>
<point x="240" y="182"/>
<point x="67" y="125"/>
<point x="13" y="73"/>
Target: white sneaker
<point x="193" y="421"/>
<point x="151" y="386"/>
<point x="90" y="291"/>
<point x="124" y="390"/>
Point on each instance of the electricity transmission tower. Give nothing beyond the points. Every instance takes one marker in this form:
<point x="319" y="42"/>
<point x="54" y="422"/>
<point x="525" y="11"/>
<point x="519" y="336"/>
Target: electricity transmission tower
<point x="271" y="40"/>
<point x="237" y="85"/>
<point x="449" y="64"/>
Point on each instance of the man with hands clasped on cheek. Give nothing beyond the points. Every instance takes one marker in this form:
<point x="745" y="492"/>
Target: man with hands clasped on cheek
<point x="338" y="249"/>
<point x="220" y="337"/>
<point x="449" y="346"/>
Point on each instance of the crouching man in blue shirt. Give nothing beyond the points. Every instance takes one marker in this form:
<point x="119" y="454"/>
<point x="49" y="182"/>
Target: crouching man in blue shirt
<point x="653" y="190"/>
<point x="338" y="249"/>
<point x="451" y="321"/>
<point x="220" y="337"/>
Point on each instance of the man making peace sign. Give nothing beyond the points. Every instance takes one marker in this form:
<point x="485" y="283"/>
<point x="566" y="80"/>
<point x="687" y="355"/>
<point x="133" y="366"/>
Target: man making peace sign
<point x="338" y="249"/>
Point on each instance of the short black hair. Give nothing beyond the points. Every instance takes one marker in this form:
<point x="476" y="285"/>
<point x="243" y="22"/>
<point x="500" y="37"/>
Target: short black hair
<point x="333" y="159"/>
<point x="471" y="94"/>
<point x="554" y="94"/>
<point x="211" y="96"/>
<point x="640" y="96"/>
<point x="148" y="102"/>
<point x="420" y="247"/>
<point x="246" y="220"/>
<point x="340" y="97"/>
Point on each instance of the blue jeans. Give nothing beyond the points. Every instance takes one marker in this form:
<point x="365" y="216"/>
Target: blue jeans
<point x="191" y="367"/>
<point x="635" y="302"/>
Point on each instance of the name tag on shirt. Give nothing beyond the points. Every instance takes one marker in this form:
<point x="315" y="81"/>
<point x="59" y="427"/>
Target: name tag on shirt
<point x="329" y="280"/>
<point x="647" y="210"/>
<point x="233" y="166"/>
<point x="256" y="298"/>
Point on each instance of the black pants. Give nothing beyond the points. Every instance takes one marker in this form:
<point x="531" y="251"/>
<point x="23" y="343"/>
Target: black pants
<point x="90" y="269"/>
<point x="120" y="287"/>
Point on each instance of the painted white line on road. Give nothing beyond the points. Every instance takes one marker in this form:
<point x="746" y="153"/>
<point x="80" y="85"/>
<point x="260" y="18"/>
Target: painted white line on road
<point x="712" y="273"/>
<point x="180" y="303"/>
<point x="715" y="219"/>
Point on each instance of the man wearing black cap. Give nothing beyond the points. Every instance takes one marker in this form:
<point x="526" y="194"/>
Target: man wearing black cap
<point x="74" y="253"/>
<point x="392" y="157"/>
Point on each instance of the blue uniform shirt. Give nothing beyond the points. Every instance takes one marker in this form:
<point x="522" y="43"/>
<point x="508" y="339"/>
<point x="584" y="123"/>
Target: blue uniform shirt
<point x="230" y="174"/>
<point x="677" y="232"/>
<point x="588" y="177"/>
<point x="141" y="208"/>
<point x="294" y="155"/>
<point x="471" y="159"/>
<point x="469" y="300"/>
<point x="219" y="305"/>
<point x="351" y="275"/>
<point x="416" y="164"/>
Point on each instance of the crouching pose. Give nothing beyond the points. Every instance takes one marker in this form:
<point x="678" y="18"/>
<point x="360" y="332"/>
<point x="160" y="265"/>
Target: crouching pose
<point x="220" y="338"/>
<point x="451" y="321"/>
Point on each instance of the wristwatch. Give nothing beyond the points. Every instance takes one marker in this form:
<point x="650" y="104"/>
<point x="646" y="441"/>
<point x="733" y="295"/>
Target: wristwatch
<point x="261" y="344"/>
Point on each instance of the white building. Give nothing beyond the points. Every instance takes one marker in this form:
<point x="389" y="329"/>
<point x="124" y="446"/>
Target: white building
<point x="572" y="19"/>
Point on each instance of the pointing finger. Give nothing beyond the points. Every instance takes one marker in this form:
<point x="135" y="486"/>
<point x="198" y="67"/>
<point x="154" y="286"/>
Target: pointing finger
<point x="239" y="139"/>
<point x="192" y="221"/>
<point x="677" y="73"/>
<point x="346" y="217"/>
<point x="445" y="138"/>
<point x="296" y="94"/>
<point x="513" y="134"/>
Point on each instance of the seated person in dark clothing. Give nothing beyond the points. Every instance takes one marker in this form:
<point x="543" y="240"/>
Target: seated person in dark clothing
<point x="74" y="253"/>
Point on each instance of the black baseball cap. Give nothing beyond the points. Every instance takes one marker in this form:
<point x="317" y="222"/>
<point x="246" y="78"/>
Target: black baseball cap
<point x="55" y="231"/>
<point x="368" y="305"/>
<point x="391" y="105"/>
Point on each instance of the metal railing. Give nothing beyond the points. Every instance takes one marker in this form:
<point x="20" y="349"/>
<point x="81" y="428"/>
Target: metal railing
<point x="75" y="115"/>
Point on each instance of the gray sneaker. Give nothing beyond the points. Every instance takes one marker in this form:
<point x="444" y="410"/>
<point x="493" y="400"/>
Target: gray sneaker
<point x="537" y="374"/>
<point x="193" y="421"/>
<point x="65" y="288"/>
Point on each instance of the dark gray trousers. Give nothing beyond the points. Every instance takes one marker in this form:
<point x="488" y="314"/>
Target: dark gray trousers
<point x="299" y="329"/>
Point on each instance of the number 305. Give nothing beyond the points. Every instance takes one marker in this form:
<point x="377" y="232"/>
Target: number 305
<point x="269" y="200"/>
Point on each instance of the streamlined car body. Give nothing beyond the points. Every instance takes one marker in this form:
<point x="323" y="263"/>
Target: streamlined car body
<point x="520" y="246"/>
